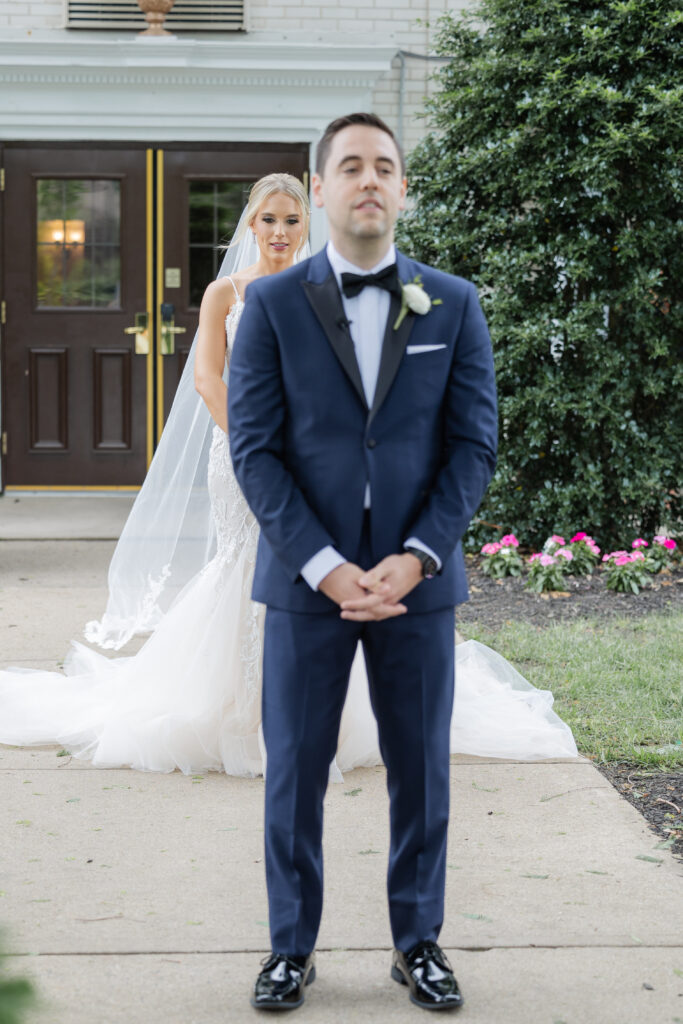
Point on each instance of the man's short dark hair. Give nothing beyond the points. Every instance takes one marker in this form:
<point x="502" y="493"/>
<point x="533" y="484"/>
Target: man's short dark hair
<point x="334" y="127"/>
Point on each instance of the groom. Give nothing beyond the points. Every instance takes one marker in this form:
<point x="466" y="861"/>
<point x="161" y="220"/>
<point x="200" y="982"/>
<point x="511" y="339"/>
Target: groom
<point x="363" y="434"/>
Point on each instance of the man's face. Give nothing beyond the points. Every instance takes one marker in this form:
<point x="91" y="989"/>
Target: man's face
<point x="361" y="188"/>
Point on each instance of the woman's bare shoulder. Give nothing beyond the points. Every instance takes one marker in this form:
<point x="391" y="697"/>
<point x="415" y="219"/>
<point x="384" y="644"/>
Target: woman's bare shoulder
<point x="219" y="296"/>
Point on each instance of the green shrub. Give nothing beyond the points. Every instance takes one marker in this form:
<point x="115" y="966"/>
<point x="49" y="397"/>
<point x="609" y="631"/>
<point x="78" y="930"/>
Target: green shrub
<point x="552" y="178"/>
<point x="16" y="996"/>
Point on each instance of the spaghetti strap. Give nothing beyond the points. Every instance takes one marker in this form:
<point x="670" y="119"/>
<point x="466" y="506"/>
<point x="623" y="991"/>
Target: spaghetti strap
<point x="239" y="297"/>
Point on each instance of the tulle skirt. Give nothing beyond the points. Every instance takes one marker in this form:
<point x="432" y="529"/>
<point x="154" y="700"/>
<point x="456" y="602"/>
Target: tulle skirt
<point x="190" y="698"/>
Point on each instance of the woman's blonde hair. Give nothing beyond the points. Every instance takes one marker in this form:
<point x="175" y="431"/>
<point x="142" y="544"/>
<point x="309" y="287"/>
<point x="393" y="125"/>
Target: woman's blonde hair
<point x="268" y="186"/>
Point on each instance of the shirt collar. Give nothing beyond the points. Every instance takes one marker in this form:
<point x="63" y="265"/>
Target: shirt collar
<point x="340" y="265"/>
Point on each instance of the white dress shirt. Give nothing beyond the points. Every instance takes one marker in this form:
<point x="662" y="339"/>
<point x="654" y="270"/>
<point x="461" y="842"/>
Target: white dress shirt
<point x="367" y="315"/>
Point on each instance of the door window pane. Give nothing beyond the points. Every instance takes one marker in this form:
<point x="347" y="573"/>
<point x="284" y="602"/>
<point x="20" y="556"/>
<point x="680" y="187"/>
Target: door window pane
<point x="214" y="210"/>
<point x="78" y="258"/>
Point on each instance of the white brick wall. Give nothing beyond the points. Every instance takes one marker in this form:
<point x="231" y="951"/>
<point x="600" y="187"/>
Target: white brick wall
<point x="409" y="24"/>
<point x="32" y="14"/>
<point x="383" y="22"/>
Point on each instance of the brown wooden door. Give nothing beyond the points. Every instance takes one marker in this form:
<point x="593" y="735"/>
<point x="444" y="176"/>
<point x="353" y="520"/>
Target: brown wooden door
<point x="204" y="193"/>
<point x="95" y="240"/>
<point x="75" y="410"/>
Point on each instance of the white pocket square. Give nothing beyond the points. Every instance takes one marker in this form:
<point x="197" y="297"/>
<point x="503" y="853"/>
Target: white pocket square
<point x="413" y="350"/>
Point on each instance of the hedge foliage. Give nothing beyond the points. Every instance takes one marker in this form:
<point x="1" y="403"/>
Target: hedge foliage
<point x="552" y="177"/>
<point x="17" y="995"/>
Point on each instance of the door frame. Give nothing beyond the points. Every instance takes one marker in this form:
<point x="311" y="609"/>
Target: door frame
<point x="61" y="148"/>
<point x="7" y="145"/>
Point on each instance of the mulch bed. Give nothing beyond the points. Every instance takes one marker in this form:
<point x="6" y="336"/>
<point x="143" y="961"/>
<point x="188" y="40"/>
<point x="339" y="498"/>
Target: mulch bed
<point x="494" y="602"/>
<point x="658" y="795"/>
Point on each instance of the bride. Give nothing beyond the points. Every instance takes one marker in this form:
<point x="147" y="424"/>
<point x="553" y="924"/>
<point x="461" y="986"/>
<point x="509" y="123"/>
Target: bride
<point x="190" y="697"/>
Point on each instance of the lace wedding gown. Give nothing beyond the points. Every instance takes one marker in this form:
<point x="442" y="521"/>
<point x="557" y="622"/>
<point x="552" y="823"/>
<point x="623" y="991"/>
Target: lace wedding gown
<point x="190" y="697"/>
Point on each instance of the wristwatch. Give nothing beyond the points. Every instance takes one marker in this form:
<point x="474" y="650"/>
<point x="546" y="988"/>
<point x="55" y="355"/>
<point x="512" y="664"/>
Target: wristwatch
<point x="429" y="565"/>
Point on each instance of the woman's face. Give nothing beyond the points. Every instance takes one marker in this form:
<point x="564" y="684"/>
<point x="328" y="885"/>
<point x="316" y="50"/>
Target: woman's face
<point x="278" y="228"/>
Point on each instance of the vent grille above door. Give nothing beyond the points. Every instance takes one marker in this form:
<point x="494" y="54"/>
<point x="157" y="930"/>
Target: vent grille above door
<point x="185" y="16"/>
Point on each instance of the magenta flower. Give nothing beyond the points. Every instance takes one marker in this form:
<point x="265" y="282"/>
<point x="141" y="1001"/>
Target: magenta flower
<point x="579" y="536"/>
<point x="622" y="560"/>
<point x="640" y="542"/>
<point x="509" y="541"/>
<point x="665" y="542"/>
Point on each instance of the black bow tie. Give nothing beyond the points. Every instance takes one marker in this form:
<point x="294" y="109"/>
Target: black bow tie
<point x="353" y="284"/>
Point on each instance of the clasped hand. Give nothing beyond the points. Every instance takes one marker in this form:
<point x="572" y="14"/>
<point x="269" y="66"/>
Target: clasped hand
<point x="376" y="594"/>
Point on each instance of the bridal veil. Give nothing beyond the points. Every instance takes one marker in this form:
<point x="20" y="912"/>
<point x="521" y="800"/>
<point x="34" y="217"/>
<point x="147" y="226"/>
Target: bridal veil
<point x="169" y="535"/>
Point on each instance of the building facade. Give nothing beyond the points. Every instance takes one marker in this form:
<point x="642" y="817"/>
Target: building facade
<point x="125" y="159"/>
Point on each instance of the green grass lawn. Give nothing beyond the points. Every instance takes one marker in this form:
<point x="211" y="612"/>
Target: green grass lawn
<point x="617" y="683"/>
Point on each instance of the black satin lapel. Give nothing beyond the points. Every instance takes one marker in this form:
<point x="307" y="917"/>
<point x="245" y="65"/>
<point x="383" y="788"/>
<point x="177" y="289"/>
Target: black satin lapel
<point x="393" y="347"/>
<point x="327" y="306"/>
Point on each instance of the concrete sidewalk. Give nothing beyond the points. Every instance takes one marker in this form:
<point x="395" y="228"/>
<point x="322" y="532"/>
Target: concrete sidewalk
<point x="140" y="898"/>
<point x="50" y="515"/>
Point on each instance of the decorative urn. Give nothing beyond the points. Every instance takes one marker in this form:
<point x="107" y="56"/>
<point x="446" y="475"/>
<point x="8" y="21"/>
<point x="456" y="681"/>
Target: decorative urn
<point x="155" y="12"/>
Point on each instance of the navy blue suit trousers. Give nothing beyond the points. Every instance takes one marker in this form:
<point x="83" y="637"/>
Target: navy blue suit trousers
<point x="410" y="666"/>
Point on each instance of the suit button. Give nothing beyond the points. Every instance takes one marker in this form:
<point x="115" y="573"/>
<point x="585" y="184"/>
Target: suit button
<point x="371" y="443"/>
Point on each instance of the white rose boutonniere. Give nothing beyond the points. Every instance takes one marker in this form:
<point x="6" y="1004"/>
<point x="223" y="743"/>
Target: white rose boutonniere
<point x="414" y="299"/>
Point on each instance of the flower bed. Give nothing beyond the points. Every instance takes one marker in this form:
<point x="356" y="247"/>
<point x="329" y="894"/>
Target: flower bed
<point x="548" y="570"/>
<point x="493" y="603"/>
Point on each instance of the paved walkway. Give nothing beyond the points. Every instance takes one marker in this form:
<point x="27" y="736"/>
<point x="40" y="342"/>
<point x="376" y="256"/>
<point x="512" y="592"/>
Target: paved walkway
<point x="140" y="898"/>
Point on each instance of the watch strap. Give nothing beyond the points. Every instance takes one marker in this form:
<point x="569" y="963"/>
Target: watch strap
<point x="429" y="566"/>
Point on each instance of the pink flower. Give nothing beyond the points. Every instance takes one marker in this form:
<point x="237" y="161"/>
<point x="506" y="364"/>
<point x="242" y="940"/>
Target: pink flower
<point x="579" y="538"/>
<point x="640" y="542"/>
<point x="534" y="558"/>
<point x="547" y="560"/>
<point x="622" y="560"/>
<point x="556" y="539"/>
<point x="565" y="553"/>
<point x="665" y="542"/>
<point x="509" y="541"/>
<point x="491" y="549"/>
<point x="637" y="555"/>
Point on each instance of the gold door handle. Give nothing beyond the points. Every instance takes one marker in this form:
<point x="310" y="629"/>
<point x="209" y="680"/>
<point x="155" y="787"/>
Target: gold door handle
<point x="141" y="332"/>
<point x="168" y="332"/>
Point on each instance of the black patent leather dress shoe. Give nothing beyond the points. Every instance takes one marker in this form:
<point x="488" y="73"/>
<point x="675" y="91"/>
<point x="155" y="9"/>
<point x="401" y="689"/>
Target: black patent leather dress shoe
<point x="429" y="976"/>
<point x="281" y="983"/>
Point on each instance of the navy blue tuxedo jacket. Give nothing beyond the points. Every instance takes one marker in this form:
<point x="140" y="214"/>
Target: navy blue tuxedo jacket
<point x="304" y="443"/>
